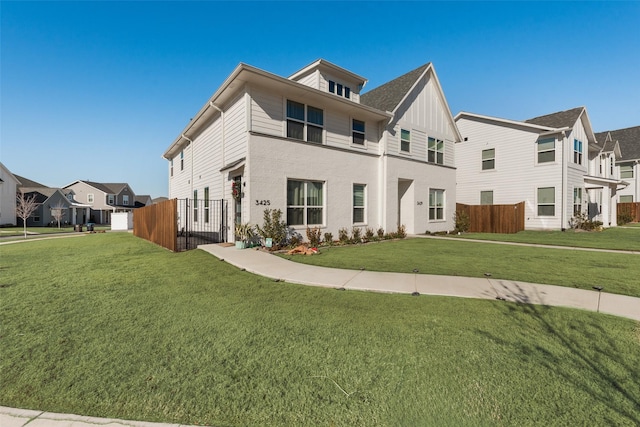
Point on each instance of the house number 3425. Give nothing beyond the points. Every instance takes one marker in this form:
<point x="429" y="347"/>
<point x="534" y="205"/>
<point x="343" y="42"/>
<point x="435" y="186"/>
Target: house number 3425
<point x="263" y="202"/>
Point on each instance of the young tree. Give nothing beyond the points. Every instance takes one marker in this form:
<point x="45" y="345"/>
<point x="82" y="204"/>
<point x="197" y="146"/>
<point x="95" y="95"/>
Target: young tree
<point x="25" y="206"/>
<point x="57" y="212"/>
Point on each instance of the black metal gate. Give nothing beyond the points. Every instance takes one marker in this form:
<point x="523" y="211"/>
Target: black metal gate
<point x="200" y="222"/>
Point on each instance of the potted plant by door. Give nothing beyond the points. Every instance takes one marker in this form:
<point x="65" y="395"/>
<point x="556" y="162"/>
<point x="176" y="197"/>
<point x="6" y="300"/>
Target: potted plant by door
<point x="244" y="232"/>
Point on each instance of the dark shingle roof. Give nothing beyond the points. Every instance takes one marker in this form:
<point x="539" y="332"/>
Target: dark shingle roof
<point x="560" y="119"/>
<point x="628" y="139"/>
<point x="25" y="182"/>
<point x="388" y="96"/>
<point x="41" y="194"/>
<point x="107" y="188"/>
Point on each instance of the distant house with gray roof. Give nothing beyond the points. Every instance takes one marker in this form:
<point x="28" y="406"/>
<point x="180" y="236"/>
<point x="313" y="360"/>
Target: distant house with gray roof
<point x="554" y="163"/>
<point x="322" y="150"/>
<point x="8" y="187"/>
<point x="628" y="164"/>
<point x="103" y="198"/>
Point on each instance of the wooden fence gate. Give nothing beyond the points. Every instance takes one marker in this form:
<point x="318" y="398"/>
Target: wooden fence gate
<point x="494" y="218"/>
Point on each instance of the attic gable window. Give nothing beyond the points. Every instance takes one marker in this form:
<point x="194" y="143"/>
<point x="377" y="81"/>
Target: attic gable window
<point x="339" y="89"/>
<point x="577" y="151"/>
<point x="305" y="123"/>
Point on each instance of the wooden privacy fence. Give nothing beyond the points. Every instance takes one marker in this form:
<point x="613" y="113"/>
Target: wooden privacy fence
<point x="494" y="218"/>
<point x="158" y="223"/>
<point x="633" y="209"/>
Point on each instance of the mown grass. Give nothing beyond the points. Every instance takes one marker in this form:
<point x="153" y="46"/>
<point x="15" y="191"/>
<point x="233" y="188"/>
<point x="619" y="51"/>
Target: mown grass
<point x="617" y="273"/>
<point x="611" y="238"/>
<point x="109" y="325"/>
<point x="8" y="232"/>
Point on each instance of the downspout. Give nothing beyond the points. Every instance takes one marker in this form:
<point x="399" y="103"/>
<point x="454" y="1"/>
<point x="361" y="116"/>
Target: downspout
<point x="191" y="144"/>
<point x="563" y="212"/>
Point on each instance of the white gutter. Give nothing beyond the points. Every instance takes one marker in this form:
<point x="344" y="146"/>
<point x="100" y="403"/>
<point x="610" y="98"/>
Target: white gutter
<point x="565" y="166"/>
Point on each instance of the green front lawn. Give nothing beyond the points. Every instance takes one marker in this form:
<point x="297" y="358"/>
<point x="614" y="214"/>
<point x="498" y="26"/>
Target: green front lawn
<point x="610" y="238"/>
<point x="112" y="326"/>
<point x="39" y="231"/>
<point x="618" y="273"/>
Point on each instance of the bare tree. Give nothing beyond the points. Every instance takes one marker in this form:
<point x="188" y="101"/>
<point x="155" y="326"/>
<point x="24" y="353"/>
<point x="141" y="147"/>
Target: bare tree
<point x="25" y="206"/>
<point x="57" y="212"/>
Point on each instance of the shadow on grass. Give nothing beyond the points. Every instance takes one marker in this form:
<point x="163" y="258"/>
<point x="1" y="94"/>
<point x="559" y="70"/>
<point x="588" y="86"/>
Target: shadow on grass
<point x="589" y="352"/>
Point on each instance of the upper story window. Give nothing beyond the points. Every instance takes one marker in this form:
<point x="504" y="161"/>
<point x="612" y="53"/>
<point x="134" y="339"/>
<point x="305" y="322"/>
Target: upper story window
<point x="111" y="199"/>
<point x="488" y="159"/>
<point x="405" y="140"/>
<point x="171" y="167"/>
<point x="546" y="150"/>
<point x="612" y="164"/>
<point x="435" y="153"/>
<point x="339" y="89"/>
<point x="182" y="160"/>
<point x="125" y="199"/>
<point x="577" y="151"/>
<point x="626" y="171"/>
<point x="70" y="196"/>
<point x="304" y="122"/>
<point x="305" y="202"/>
<point x="90" y="198"/>
<point x="357" y="132"/>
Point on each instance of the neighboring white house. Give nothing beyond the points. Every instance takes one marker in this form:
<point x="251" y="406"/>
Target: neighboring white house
<point x="628" y="165"/>
<point x="8" y="191"/>
<point x="553" y="163"/>
<point x="104" y="199"/>
<point x="317" y="148"/>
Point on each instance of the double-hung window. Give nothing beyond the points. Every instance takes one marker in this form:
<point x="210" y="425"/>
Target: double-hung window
<point x="305" y="202"/>
<point x="546" y="150"/>
<point x="405" y="140"/>
<point x="359" y="203"/>
<point x="171" y="167"/>
<point x="488" y="159"/>
<point x="357" y="132"/>
<point x="90" y="198"/>
<point x="195" y="205"/>
<point x="206" y="204"/>
<point x="435" y="152"/>
<point x="305" y="123"/>
<point x="436" y="204"/>
<point x="182" y="160"/>
<point x="577" y="151"/>
<point x="577" y="201"/>
<point x="626" y="171"/>
<point x="547" y="201"/>
<point x="110" y="199"/>
<point x="125" y="199"/>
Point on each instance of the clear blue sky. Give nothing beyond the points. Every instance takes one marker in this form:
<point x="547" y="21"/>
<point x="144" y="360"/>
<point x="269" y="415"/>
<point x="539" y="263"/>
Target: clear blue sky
<point x="99" y="90"/>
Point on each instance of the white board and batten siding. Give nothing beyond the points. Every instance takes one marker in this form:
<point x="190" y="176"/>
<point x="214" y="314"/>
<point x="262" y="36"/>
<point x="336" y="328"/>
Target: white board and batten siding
<point x="516" y="176"/>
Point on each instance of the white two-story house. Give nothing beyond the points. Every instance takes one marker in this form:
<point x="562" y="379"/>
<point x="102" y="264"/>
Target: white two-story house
<point x="318" y="148"/>
<point x="628" y="164"/>
<point x="553" y="163"/>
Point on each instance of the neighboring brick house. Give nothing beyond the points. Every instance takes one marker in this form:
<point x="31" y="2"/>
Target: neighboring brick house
<point x="317" y="148"/>
<point x="104" y="198"/>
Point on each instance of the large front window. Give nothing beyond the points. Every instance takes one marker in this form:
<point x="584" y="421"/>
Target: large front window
<point x="546" y="150"/>
<point x="305" y="202"/>
<point x="547" y="201"/>
<point x="436" y="204"/>
<point x="304" y="122"/>
<point x="358" y="203"/>
<point x="577" y="151"/>
<point x="435" y="151"/>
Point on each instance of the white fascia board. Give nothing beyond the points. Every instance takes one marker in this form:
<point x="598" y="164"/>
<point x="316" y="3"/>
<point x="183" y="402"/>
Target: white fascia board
<point x="499" y="120"/>
<point x="321" y="62"/>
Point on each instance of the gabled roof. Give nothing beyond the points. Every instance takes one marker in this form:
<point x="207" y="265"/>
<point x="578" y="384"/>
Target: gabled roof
<point x="628" y="139"/>
<point x="389" y="95"/>
<point x="321" y="63"/>
<point x="560" y="119"/>
<point x="109" y="188"/>
<point x="24" y="182"/>
<point x="9" y="174"/>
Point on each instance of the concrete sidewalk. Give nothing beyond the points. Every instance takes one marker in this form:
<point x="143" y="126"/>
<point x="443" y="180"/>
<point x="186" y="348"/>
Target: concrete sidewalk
<point x="277" y="268"/>
<point x="10" y="417"/>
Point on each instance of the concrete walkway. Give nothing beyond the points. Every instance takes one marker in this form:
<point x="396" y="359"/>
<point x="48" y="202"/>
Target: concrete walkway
<point x="280" y="269"/>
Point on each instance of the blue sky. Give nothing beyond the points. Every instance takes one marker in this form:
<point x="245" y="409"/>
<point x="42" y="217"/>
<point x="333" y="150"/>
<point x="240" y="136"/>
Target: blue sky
<point x="99" y="90"/>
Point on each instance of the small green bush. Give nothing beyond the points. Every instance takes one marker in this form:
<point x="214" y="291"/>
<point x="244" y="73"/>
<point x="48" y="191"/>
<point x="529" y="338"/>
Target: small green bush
<point x="356" y="235"/>
<point x="369" y="235"/>
<point x="624" y="218"/>
<point x="462" y="221"/>
<point x="314" y="236"/>
<point x="343" y="236"/>
<point x="273" y="226"/>
<point x="328" y="239"/>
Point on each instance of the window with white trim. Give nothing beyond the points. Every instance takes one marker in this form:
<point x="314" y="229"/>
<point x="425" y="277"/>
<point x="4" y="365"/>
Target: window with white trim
<point x="546" y="201"/>
<point x="546" y="150"/>
<point x="182" y="160"/>
<point x="486" y="197"/>
<point x="359" y="194"/>
<point x="195" y="205"/>
<point x="171" y="168"/>
<point x="577" y="201"/>
<point x="435" y="153"/>
<point x="577" y="151"/>
<point x="305" y="123"/>
<point x="125" y="200"/>
<point x="405" y="140"/>
<point x="111" y="199"/>
<point x="206" y="204"/>
<point x="90" y="198"/>
<point x="488" y="159"/>
<point x="626" y="170"/>
<point x="436" y="204"/>
<point x="305" y="202"/>
<point x="626" y="199"/>
<point x="357" y="132"/>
